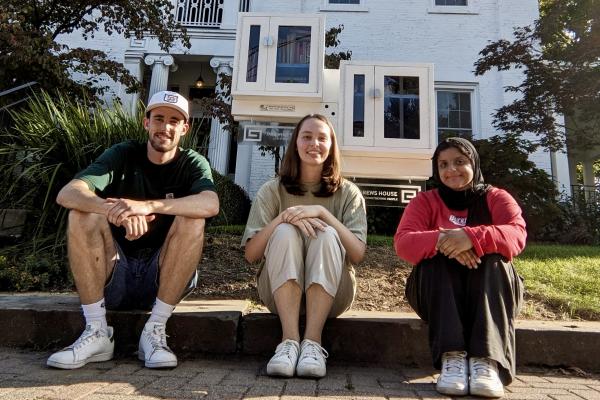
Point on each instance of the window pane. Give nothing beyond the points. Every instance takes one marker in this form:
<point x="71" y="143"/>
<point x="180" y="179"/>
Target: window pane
<point x="358" y="121"/>
<point x="293" y="54"/>
<point x="401" y="107"/>
<point x="454" y="114"/>
<point x="446" y="133"/>
<point x="443" y="119"/>
<point x="253" y="53"/>
<point x="454" y="120"/>
<point x="465" y="119"/>
<point x="442" y="101"/>
<point x="344" y="1"/>
<point x="452" y="101"/>
<point x="465" y="102"/>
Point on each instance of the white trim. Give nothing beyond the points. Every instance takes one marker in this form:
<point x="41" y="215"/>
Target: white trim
<point x="462" y="87"/>
<point x="472" y="8"/>
<point x="327" y="6"/>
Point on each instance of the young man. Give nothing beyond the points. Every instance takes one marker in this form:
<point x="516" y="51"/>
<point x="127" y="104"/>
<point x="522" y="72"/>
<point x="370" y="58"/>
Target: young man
<point x="135" y="233"/>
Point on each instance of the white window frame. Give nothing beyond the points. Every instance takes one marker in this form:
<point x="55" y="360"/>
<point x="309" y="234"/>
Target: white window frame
<point x="472" y="7"/>
<point x="327" y="6"/>
<point x="461" y="87"/>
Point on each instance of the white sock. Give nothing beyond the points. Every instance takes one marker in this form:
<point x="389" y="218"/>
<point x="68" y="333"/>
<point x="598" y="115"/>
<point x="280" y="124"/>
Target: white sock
<point x="95" y="312"/>
<point x="161" y="312"/>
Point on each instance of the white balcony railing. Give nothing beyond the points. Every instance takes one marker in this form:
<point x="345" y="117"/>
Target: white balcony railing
<point x="588" y="192"/>
<point x="207" y="13"/>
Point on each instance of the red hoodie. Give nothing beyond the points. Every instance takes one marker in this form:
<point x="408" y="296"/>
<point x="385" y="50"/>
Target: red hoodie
<point x="417" y="233"/>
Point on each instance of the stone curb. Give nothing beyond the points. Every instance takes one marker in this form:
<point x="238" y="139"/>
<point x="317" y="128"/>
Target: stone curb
<point x="48" y="321"/>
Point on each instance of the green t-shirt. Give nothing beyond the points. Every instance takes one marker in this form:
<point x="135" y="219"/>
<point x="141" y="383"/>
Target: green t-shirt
<point x="346" y="204"/>
<point x="124" y="171"/>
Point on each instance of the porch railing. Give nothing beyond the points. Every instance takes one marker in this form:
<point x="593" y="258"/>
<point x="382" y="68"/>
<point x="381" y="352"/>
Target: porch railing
<point x="244" y="5"/>
<point x="205" y="13"/>
<point x="7" y="97"/>
<point x="590" y="193"/>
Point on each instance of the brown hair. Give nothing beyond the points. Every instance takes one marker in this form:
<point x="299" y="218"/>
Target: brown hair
<point x="331" y="176"/>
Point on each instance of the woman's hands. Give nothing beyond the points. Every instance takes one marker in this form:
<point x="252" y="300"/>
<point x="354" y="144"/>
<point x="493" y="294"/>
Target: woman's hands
<point x="292" y="214"/>
<point x="306" y="218"/>
<point x="469" y="259"/>
<point x="455" y="243"/>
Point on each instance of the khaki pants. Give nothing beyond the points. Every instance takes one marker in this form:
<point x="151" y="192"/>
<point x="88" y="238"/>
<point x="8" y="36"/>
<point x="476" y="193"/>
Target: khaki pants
<point x="292" y="256"/>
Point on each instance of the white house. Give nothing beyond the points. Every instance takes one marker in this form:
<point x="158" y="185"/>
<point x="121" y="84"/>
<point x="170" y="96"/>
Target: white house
<point x="445" y="33"/>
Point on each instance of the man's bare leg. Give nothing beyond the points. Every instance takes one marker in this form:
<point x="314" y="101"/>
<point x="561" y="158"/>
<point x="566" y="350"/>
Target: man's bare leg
<point x="179" y="259"/>
<point x="92" y="255"/>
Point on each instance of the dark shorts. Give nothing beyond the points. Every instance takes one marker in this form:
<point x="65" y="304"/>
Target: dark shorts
<point x="133" y="284"/>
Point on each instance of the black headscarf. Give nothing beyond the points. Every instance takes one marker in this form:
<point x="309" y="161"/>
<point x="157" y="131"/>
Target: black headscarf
<point x="460" y="199"/>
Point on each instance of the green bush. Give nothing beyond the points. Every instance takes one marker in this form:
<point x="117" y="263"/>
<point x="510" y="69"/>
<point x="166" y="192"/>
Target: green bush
<point x="42" y="271"/>
<point x="383" y="220"/>
<point x="505" y="164"/>
<point x="577" y="223"/>
<point x="234" y="202"/>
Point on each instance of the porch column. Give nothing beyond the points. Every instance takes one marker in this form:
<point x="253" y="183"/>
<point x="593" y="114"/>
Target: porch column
<point x="133" y="62"/>
<point x="572" y="168"/>
<point x="161" y="65"/>
<point x="588" y="177"/>
<point x="218" y="147"/>
<point x="560" y="172"/>
<point x="588" y="172"/>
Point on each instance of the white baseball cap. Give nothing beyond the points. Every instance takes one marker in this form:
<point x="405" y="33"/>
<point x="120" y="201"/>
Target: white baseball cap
<point x="169" y="99"/>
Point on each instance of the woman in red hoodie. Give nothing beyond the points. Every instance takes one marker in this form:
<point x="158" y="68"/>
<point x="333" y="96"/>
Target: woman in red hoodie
<point x="461" y="238"/>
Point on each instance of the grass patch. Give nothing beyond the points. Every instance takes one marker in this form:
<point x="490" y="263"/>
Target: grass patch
<point x="380" y="240"/>
<point x="567" y="278"/>
<point x="228" y="229"/>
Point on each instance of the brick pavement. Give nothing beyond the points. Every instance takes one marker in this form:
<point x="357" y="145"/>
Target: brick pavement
<point x="23" y="375"/>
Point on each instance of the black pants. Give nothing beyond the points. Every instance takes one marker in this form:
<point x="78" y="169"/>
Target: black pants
<point x="470" y="310"/>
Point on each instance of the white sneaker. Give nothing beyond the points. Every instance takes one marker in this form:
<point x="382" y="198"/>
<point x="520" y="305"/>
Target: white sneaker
<point x="312" y="360"/>
<point x="283" y="363"/>
<point x="453" y="379"/>
<point x="153" y="349"/>
<point x="95" y="344"/>
<point x="485" y="381"/>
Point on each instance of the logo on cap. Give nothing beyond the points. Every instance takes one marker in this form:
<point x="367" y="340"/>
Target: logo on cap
<point x="171" y="98"/>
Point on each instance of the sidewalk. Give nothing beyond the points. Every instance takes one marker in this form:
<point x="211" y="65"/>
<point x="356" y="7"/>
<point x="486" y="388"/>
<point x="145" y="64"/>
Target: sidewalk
<point x="24" y="375"/>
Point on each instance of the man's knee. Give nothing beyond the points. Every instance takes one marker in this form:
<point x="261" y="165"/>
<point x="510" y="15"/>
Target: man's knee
<point x="86" y="223"/>
<point x="189" y="227"/>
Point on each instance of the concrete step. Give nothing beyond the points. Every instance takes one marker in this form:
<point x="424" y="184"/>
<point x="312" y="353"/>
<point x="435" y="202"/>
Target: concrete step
<point x="50" y="321"/>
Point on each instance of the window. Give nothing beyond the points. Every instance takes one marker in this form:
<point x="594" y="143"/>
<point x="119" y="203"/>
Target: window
<point x="450" y="2"/>
<point x="453" y="7"/>
<point x="387" y="106"/>
<point x="344" y="5"/>
<point x="454" y="114"/>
